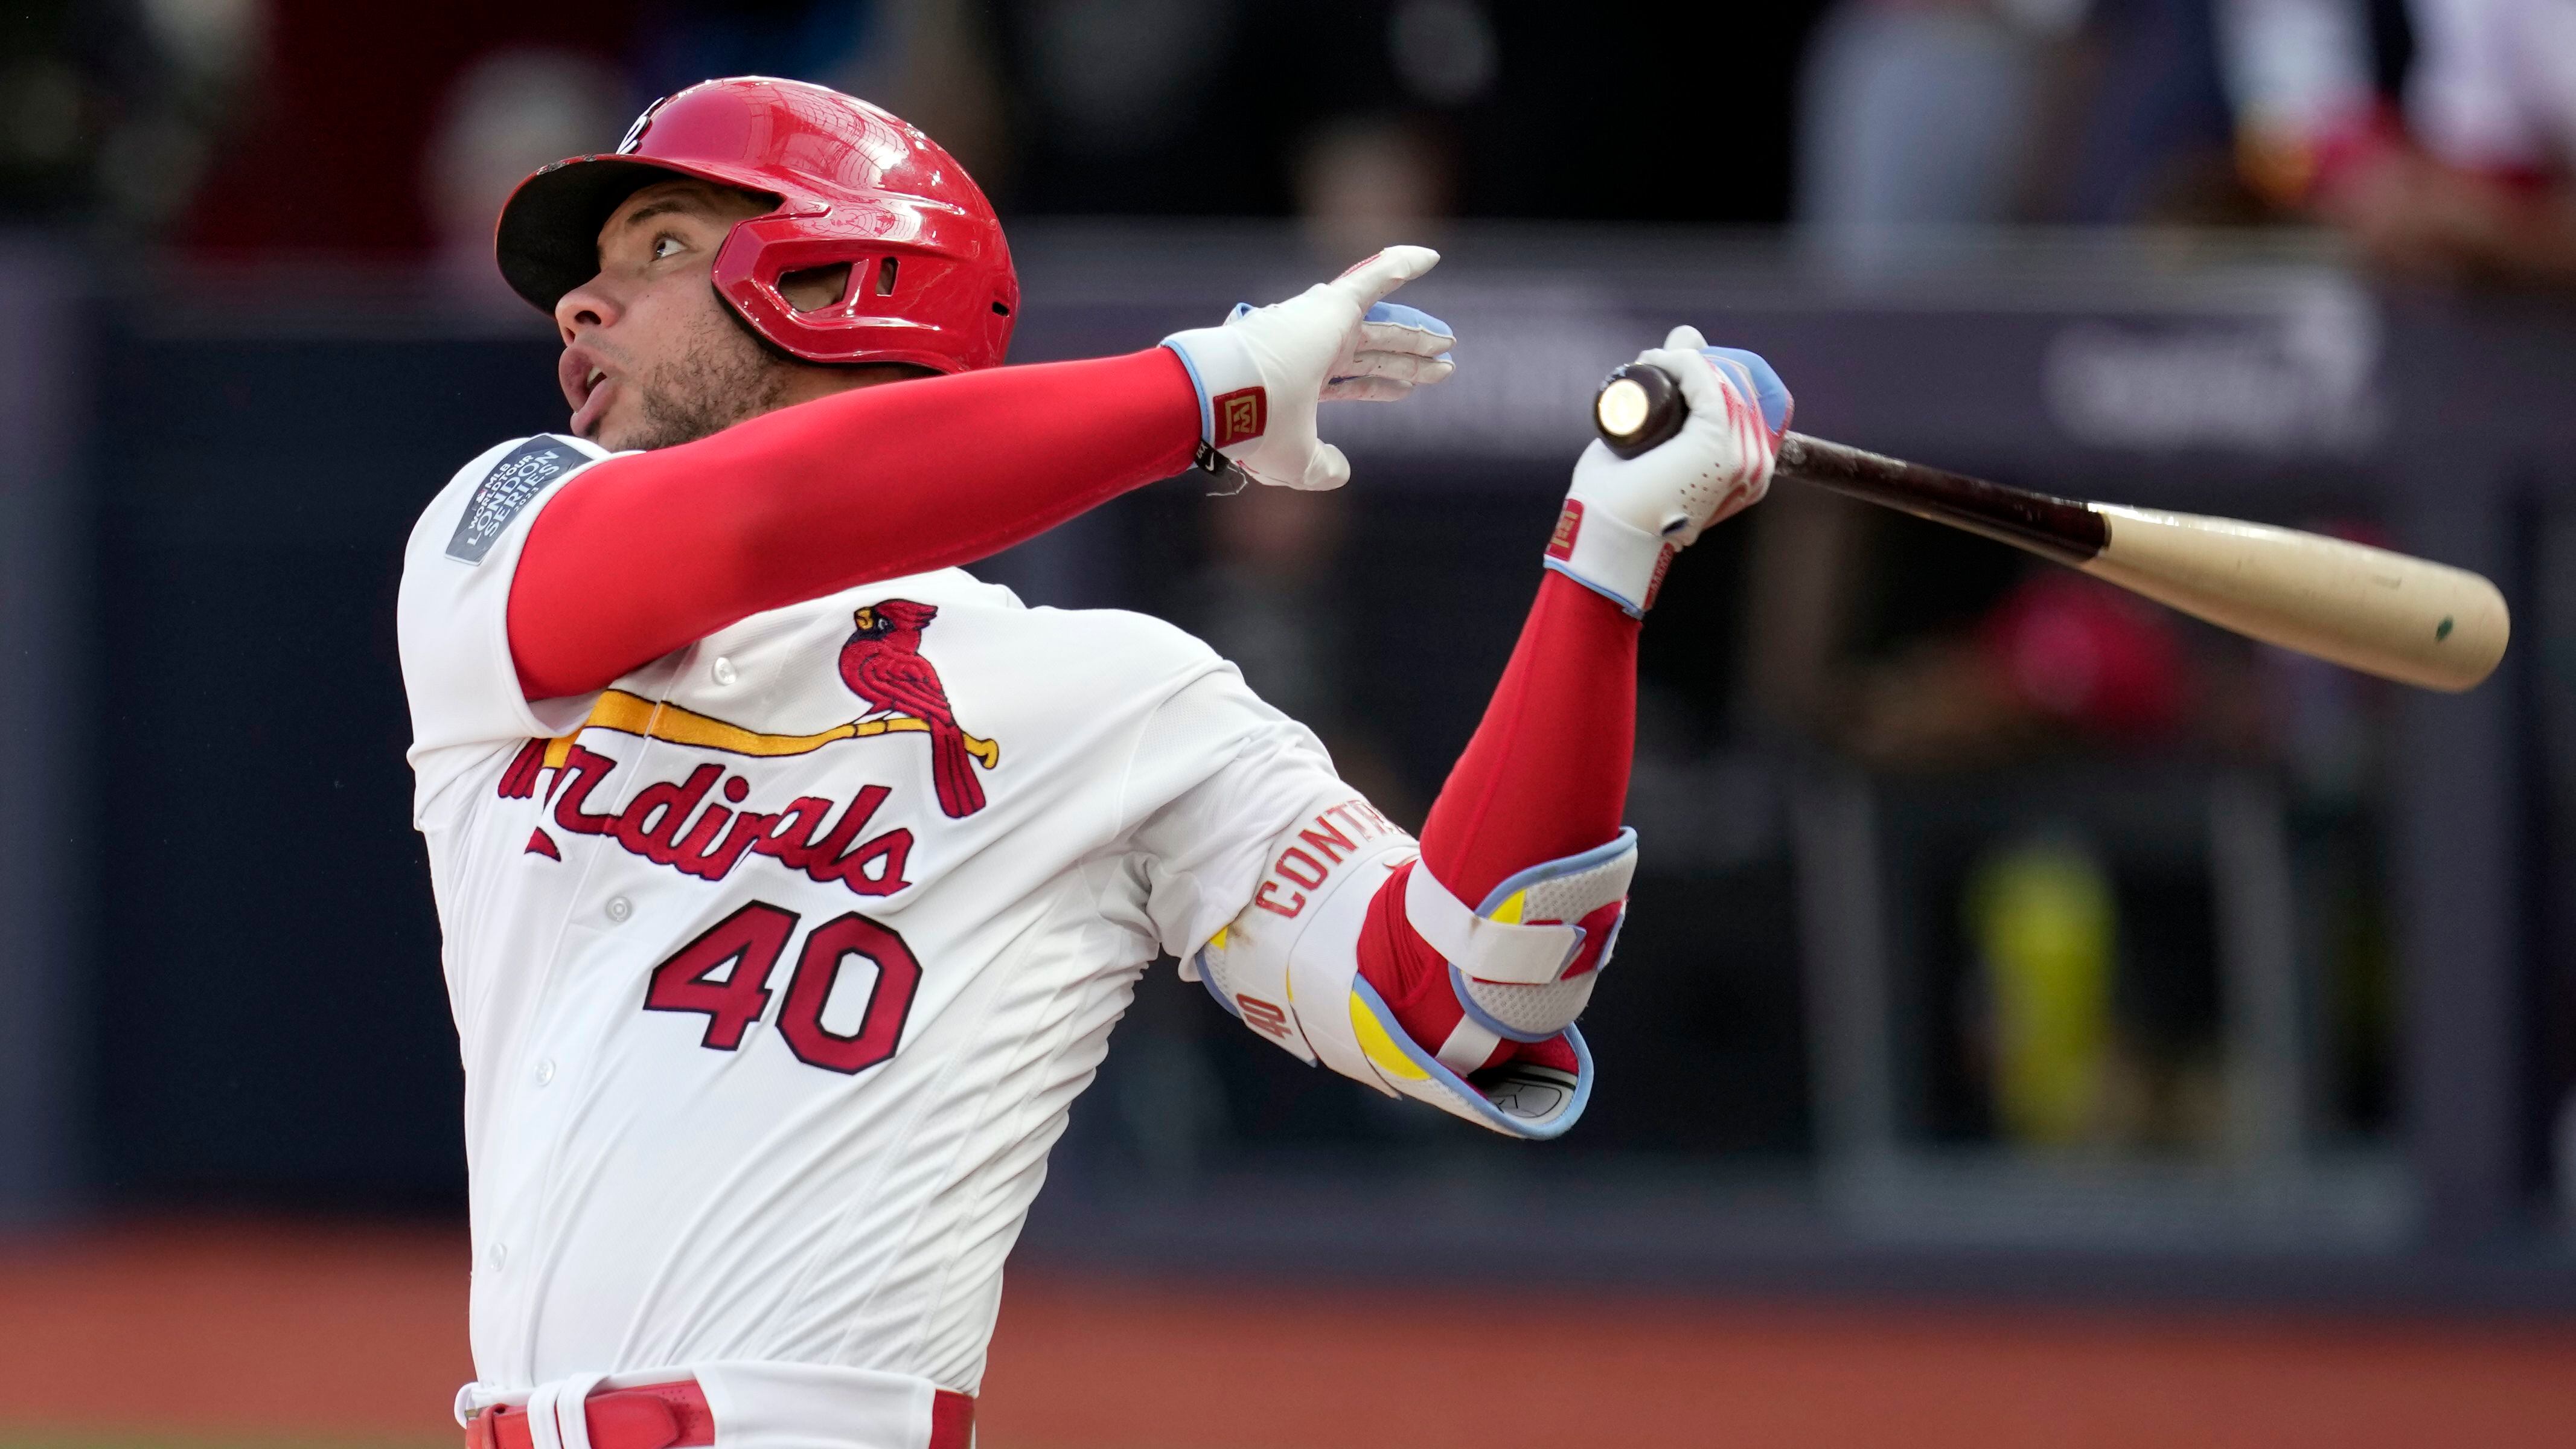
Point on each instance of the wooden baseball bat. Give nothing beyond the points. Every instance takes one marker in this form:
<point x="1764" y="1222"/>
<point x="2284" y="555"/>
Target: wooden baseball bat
<point x="2383" y="613"/>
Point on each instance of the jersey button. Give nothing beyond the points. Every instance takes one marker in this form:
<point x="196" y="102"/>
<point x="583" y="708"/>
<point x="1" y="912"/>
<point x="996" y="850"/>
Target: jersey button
<point x="545" y="1071"/>
<point x="619" y="908"/>
<point x="723" y="671"/>
<point x="498" y="1257"/>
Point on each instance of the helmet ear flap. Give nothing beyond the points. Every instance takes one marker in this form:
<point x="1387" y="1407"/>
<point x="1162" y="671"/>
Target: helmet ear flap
<point x="745" y="274"/>
<point x="904" y="302"/>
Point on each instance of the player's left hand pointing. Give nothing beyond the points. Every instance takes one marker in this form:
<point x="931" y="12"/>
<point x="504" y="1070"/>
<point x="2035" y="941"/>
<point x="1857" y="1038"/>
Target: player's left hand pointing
<point x="1260" y="376"/>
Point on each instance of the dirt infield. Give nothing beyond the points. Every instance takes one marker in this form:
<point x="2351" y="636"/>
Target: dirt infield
<point x="261" y="1333"/>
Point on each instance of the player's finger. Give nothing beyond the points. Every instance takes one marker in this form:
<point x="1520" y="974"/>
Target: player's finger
<point x="1403" y="366"/>
<point x="1393" y="327"/>
<point x="1367" y="389"/>
<point x="1369" y="281"/>
<point x="1737" y="375"/>
<point x="1684" y="338"/>
<point x="1326" y="470"/>
<point x="1763" y="385"/>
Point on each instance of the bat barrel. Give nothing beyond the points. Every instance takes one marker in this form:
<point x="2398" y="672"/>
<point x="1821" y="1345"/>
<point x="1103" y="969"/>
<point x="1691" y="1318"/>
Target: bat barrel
<point x="2389" y="614"/>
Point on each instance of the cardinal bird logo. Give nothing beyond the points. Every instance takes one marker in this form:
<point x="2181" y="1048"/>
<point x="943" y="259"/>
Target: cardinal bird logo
<point x="882" y="665"/>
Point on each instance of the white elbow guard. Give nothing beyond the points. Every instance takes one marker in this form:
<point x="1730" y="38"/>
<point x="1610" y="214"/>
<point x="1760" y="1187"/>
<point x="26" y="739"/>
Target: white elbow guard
<point x="1525" y="961"/>
<point x="1288" y="967"/>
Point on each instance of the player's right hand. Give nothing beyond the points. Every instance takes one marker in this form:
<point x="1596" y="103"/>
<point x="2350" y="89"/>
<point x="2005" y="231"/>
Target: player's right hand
<point x="1260" y="376"/>
<point x="1624" y="518"/>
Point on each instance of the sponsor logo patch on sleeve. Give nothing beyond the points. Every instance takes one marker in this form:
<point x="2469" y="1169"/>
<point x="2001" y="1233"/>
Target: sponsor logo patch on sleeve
<point x="506" y="490"/>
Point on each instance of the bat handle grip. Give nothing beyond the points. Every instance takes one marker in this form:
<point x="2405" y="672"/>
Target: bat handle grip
<point x="1639" y="406"/>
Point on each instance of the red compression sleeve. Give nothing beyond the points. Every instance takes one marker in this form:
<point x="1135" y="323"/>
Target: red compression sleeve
<point x="1546" y="776"/>
<point x="645" y="553"/>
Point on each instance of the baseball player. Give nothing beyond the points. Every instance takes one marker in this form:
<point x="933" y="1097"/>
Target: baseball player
<point x="792" y="879"/>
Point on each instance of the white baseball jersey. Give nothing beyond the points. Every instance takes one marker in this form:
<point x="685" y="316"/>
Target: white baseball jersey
<point x="777" y="964"/>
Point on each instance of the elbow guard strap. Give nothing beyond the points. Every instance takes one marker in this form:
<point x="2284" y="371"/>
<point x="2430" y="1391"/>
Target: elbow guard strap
<point x="1288" y="967"/>
<point x="1525" y="961"/>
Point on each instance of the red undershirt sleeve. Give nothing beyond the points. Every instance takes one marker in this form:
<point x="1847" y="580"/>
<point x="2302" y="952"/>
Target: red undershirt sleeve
<point x="647" y="552"/>
<point x="1545" y="776"/>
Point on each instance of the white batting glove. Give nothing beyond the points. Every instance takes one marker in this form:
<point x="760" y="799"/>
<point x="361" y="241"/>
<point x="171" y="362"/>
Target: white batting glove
<point x="1260" y="375"/>
<point x="1625" y="518"/>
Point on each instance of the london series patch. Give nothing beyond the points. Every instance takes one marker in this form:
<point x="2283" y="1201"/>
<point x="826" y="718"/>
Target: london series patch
<point x="506" y="489"/>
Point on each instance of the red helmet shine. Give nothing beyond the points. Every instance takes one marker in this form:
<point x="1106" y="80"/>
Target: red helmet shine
<point x="930" y="276"/>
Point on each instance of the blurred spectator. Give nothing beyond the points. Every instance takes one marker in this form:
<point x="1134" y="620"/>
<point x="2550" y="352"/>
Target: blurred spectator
<point x="2468" y="180"/>
<point x="1116" y="99"/>
<point x="150" y="163"/>
<point x="928" y="61"/>
<point x="1270" y="599"/>
<point x="115" y="107"/>
<point x="2297" y="73"/>
<point x="519" y="107"/>
<point x="326" y="152"/>
<point x="1344" y="108"/>
<point x="504" y="116"/>
<point x="1444" y="51"/>
<point x="2476" y="185"/>
<point x="1212" y="107"/>
<point x="2152" y="129"/>
<point x="1971" y="659"/>
<point x="1921" y="114"/>
<point x="1365" y="183"/>
<point x="2058" y="660"/>
<point x="932" y="63"/>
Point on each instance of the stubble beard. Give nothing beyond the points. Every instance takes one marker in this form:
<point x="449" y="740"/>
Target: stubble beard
<point x="720" y="379"/>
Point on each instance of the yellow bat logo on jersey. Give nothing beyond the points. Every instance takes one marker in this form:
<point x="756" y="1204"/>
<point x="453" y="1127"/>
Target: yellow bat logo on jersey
<point x="633" y="714"/>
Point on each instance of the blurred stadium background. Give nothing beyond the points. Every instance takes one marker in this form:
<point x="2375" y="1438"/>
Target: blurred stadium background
<point x="2045" y="1020"/>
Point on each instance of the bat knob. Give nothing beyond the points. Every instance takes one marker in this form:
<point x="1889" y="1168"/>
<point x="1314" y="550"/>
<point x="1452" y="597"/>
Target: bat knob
<point x="1639" y="406"/>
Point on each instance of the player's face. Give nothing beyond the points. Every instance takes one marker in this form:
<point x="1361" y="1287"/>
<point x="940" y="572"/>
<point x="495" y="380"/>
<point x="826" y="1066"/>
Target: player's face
<point x="650" y="358"/>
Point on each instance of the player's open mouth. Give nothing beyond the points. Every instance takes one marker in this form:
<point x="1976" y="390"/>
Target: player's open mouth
<point x="585" y="381"/>
<point x="594" y="398"/>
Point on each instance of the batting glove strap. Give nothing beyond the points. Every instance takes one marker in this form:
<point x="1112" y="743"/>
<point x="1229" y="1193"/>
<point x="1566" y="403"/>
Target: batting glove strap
<point x="1523" y="964"/>
<point x="1609" y="555"/>
<point x="1234" y="406"/>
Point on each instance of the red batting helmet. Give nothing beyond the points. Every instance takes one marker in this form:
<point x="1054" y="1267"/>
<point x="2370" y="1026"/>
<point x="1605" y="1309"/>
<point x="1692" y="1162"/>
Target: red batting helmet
<point x="930" y="276"/>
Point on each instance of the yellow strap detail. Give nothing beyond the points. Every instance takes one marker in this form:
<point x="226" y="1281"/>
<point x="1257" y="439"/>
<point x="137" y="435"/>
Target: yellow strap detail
<point x="1509" y="912"/>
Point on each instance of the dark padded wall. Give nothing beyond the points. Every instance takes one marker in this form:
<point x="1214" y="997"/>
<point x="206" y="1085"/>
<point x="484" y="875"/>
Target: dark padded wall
<point x="270" y="1019"/>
